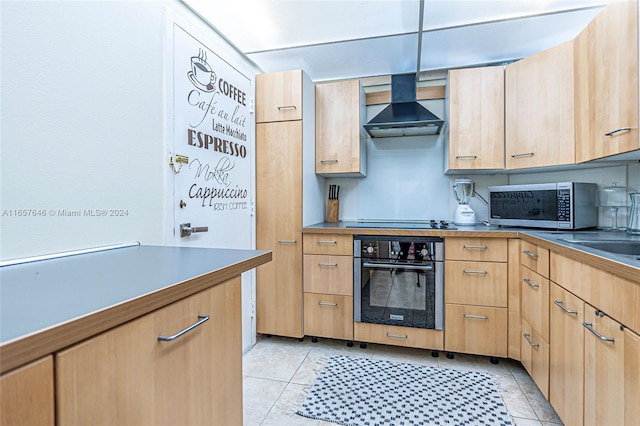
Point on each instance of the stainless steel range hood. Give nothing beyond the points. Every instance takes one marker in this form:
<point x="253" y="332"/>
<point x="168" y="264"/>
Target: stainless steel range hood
<point x="405" y="116"/>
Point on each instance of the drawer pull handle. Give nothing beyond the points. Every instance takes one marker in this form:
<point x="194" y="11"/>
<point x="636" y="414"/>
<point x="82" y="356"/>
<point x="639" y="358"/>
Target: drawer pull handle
<point x="327" y="242"/>
<point x="465" y="157"/>
<point x="328" y="161"/>
<point x="476" y="247"/>
<point x="287" y="107"/>
<point x="328" y="305"/>
<point x="531" y="284"/>
<point x="560" y="304"/>
<point x="483" y="317"/>
<point x="287" y="241"/>
<point x="621" y="129"/>
<point x="329" y="265"/>
<point x="528" y="253"/>
<point x="524" y="154"/>
<point x="589" y="326"/>
<point x="203" y="319"/>
<point x="468" y="271"/>
<point x="528" y="338"/>
<point x="396" y="336"/>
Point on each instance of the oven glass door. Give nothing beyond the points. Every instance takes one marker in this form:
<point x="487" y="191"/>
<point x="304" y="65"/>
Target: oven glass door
<point x="399" y="293"/>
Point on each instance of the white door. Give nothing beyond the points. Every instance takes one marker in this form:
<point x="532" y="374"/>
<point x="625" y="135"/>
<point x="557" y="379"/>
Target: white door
<point x="212" y="156"/>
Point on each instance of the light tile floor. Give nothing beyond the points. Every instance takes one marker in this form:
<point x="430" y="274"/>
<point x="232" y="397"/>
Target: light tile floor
<point x="278" y="373"/>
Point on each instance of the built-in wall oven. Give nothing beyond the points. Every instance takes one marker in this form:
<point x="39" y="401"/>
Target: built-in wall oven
<point x="399" y="281"/>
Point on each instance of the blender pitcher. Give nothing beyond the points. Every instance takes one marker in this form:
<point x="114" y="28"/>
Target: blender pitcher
<point x="633" y="221"/>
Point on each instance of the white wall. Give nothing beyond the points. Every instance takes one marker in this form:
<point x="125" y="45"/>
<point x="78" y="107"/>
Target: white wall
<point x="83" y="126"/>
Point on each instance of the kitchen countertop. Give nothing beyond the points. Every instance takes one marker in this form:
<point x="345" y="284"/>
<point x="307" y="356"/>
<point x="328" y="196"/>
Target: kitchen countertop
<point x="50" y="304"/>
<point x="626" y="266"/>
<point x="358" y="227"/>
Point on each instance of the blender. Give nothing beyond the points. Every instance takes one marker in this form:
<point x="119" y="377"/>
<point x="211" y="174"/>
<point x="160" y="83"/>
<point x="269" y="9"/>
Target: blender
<point x="463" y="191"/>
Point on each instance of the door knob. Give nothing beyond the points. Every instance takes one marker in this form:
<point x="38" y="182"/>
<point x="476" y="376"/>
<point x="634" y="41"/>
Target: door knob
<point x="186" y="229"/>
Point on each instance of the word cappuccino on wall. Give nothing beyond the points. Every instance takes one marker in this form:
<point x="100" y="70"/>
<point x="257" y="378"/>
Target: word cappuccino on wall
<point x="211" y="127"/>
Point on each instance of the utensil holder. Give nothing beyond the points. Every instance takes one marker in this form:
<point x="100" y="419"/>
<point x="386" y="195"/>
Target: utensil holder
<point x="333" y="210"/>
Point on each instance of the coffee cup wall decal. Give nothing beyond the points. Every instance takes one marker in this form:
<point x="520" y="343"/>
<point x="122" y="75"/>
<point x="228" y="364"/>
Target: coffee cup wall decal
<point x="202" y="75"/>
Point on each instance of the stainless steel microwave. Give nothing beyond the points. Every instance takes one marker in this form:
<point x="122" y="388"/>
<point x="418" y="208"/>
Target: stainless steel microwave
<point x="560" y="205"/>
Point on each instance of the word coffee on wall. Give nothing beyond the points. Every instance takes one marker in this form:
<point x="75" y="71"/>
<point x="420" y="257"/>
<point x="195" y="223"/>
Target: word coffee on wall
<point x="211" y="114"/>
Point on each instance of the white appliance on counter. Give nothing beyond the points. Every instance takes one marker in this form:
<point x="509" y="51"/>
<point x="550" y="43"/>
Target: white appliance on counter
<point x="463" y="191"/>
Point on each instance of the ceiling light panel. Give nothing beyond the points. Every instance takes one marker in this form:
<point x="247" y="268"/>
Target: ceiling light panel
<point x="261" y="25"/>
<point x="452" y="13"/>
<point x="500" y="41"/>
<point x="353" y="59"/>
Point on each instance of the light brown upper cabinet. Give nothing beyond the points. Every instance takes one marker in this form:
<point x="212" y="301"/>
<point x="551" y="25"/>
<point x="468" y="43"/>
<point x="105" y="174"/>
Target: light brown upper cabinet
<point x="539" y="107"/>
<point x="280" y="96"/>
<point x="340" y="137"/>
<point x="476" y="118"/>
<point x="608" y="74"/>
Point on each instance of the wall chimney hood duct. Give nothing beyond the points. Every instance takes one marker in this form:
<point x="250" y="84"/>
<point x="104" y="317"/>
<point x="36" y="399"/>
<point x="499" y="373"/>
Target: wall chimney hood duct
<point x="405" y="116"/>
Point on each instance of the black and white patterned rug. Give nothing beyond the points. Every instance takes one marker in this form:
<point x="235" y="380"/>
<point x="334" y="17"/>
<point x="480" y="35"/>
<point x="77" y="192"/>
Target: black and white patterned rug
<point x="360" y="391"/>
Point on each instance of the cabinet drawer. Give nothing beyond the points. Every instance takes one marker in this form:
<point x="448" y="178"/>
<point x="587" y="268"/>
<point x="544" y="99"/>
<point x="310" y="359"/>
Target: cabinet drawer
<point x="328" y="244"/>
<point x="479" y="249"/>
<point x="476" y="330"/>
<point x="618" y="298"/>
<point x="535" y="258"/>
<point x="399" y="336"/>
<point x="328" y="274"/>
<point x="476" y="283"/>
<point x="534" y="352"/>
<point x="535" y="301"/>
<point x="328" y="315"/>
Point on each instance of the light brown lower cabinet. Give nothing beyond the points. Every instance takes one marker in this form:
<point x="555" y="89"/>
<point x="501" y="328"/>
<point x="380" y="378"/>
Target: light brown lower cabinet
<point x="32" y="383"/>
<point x="127" y="376"/>
<point x="328" y="315"/>
<point x="534" y="352"/>
<point x="566" y="355"/>
<point x="278" y="224"/>
<point x="611" y="371"/>
<point x="479" y="330"/>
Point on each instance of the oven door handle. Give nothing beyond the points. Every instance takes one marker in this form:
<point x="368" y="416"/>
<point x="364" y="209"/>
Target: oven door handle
<point x="397" y="266"/>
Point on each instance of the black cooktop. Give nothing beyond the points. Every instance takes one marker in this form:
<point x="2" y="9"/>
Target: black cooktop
<point x="433" y="224"/>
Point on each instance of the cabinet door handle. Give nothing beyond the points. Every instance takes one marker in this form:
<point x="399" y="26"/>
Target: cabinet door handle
<point x="621" y="129"/>
<point x="524" y="154"/>
<point x="560" y="304"/>
<point x="329" y="265"/>
<point x="396" y="336"/>
<point x="483" y="317"/>
<point x="328" y="305"/>
<point x="327" y="242"/>
<point x="528" y="253"/>
<point x="475" y="247"/>
<point x="287" y="107"/>
<point x="589" y="326"/>
<point x="531" y="284"/>
<point x="328" y="161"/>
<point x="287" y="241"/>
<point x="203" y="319"/>
<point x="466" y="157"/>
<point x="468" y="271"/>
<point x="528" y="338"/>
